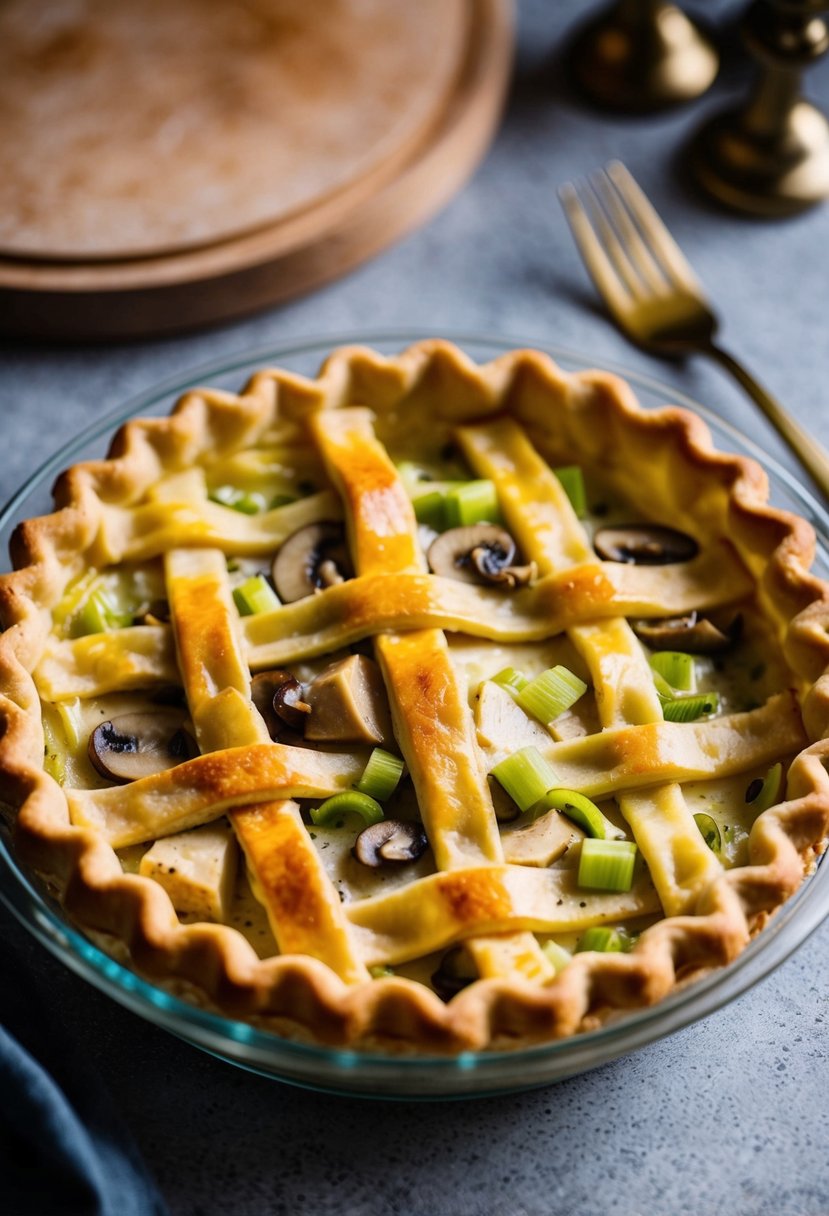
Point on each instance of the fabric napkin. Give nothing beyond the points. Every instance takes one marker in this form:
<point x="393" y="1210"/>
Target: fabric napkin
<point x="63" y="1148"/>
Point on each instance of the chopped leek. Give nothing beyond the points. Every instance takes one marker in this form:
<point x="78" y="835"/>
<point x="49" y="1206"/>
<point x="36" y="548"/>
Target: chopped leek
<point x="430" y="509"/>
<point x="73" y="596"/>
<point x="551" y="693"/>
<point x="557" y="955"/>
<point x="709" y="830"/>
<point x="606" y="865"/>
<point x="663" y="688"/>
<point x="255" y="595"/>
<point x="381" y="775"/>
<point x="472" y="502"/>
<point x="100" y="613"/>
<point x="603" y="939"/>
<point x="526" y="776"/>
<point x="675" y="667"/>
<point x="380" y="972"/>
<point x="347" y="803"/>
<point x="688" y="709"/>
<point x="246" y="501"/>
<point x="582" y="812"/>
<point x="572" y="483"/>
<point x="761" y="794"/>
<point x="281" y="500"/>
<point x="512" y="680"/>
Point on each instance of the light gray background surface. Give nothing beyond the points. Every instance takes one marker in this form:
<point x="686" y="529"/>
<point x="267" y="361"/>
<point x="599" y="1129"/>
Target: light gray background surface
<point x="729" y="1116"/>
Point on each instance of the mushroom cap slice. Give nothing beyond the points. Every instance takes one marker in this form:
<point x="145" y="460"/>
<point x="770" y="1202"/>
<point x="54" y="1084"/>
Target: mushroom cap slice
<point x="644" y="544"/>
<point x="348" y="703"/>
<point x="479" y="554"/>
<point x="278" y="697"/>
<point x="455" y="972"/>
<point x="138" y="745"/>
<point x="311" y="559"/>
<point x="390" y="842"/>
<point x="691" y="633"/>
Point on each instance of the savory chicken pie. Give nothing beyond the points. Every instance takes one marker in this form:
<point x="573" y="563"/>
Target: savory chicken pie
<point x="421" y="706"/>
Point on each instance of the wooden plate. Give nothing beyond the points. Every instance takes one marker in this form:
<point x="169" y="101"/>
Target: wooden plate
<point x="164" y="166"/>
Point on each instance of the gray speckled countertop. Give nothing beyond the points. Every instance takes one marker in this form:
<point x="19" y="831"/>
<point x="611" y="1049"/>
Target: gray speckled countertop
<point x="728" y="1116"/>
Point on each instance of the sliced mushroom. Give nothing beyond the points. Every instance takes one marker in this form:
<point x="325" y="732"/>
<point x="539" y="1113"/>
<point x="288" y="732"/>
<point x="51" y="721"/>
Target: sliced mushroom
<point x="692" y="634"/>
<point x="278" y="697"/>
<point x="313" y="558"/>
<point x="479" y="553"/>
<point x="391" y="841"/>
<point x="456" y="972"/>
<point x="348" y="703"/>
<point x="644" y="544"/>
<point x="139" y="745"/>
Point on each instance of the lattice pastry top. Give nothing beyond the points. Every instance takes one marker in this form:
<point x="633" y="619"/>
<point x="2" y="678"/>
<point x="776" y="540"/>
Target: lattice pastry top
<point x="574" y="664"/>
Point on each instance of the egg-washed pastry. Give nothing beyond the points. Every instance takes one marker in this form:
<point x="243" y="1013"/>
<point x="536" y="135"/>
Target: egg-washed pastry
<point x="420" y="706"/>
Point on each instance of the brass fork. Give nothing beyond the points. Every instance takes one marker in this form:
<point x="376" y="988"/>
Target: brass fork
<point x="654" y="295"/>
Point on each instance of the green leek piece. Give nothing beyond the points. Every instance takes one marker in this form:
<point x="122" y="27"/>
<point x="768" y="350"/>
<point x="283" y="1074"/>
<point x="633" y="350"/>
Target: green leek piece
<point x="246" y="501"/>
<point x="380" y="972"/>
<point x="551" y="693"/>
<point x="350" y="802"/>
<point x="281" y="500"/>
<point x="557" y="955"/>
<point x="606" y="865"/>
<point x="663" y="688"/>
<point x="472" y="502"/>
<point x="572" y="483"/>
<point x="526" y="776"/>
<point x="74" y="594"/>
<point x="688" y="709"/>
<point x="255" y="595"/>
<point x="709" y="831"/>
<point x="381" y="775"/>
<point x="582" y="812"/>
<point x="100" y="613"/>
<point x="675" y="667"/>
<point x="603" y="939"/>
<point x="430" y="509"/>
<point x="512" y="680"/>
<point x="54" y="760"/>
<point x="761" y="794"/>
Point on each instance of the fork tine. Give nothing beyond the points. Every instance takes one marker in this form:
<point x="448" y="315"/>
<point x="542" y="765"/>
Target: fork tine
<point x="596" y="260"/>
<point x="652" y="227"/>
<point x="637" y="251"/>
<point x="614" y="247"/>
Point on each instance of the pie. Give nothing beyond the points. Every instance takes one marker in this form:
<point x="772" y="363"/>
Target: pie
<point x="421" y="706"/>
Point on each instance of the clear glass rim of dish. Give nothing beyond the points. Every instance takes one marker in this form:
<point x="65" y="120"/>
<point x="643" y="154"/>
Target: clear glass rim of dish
<point x="374" y="1074"/>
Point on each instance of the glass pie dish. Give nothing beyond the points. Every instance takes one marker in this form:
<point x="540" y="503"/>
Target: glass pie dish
<point x="364" y="1071"/>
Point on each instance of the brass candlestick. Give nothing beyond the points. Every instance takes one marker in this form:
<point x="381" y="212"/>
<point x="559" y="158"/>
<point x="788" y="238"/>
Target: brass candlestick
<point x="643" y="55"/>
<point x="770" y="156"/>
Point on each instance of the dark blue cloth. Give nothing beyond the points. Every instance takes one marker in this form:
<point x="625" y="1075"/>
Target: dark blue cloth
<point x="63" y="1148"/>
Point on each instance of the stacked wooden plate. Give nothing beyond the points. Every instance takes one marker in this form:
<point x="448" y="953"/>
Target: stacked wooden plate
<point x="167" y="165"/>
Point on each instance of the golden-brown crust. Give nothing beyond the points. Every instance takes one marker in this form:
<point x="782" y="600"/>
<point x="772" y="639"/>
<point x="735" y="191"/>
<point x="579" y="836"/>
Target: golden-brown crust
<point x="596" y="415"/>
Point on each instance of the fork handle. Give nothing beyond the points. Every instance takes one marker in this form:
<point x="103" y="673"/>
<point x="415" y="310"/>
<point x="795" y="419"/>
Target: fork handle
<point x="808" y="450"/>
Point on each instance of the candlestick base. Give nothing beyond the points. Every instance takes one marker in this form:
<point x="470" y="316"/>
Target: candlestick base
<point x="643" y="57"/>
<point x="764" y="174"/>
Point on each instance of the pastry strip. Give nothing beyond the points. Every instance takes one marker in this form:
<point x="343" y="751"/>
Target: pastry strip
<point x="596" y="765"/>
<point x="287" y="876"/>
<point x="381" y="603"/>
<point x="146" y="531"/>
<point x="433" y="912"/>
<point x="432" y="718"/>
